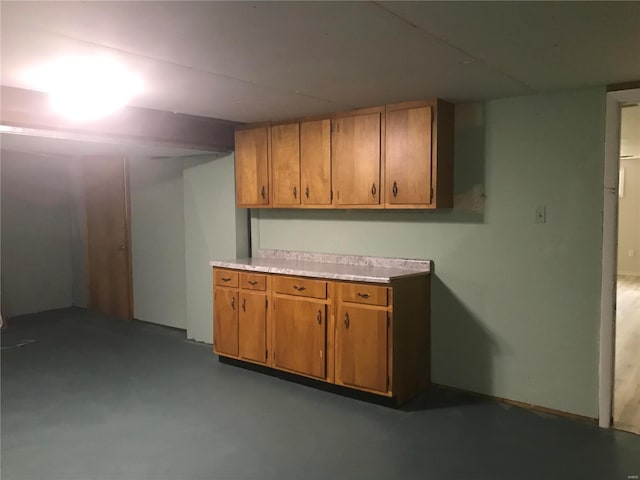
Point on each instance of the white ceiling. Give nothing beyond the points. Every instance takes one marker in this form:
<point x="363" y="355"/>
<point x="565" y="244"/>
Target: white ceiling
<point x="249" y="62"/>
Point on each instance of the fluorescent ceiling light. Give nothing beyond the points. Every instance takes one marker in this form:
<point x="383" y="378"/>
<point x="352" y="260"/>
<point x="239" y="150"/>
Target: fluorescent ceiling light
<point x="86" y="88"/>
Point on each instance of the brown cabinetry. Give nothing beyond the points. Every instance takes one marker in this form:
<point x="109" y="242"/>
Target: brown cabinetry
<point x="371" y="337"/>
<point x="252" y="167"/>
<point x="285" y="161"/>
<point x="356" y="159"/>
<point x="240" y="313"/>
<point x="393" y="156"/>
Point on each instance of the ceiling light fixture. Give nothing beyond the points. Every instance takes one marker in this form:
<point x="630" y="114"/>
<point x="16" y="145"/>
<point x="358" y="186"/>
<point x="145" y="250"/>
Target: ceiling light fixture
<point x="87" y="88"/>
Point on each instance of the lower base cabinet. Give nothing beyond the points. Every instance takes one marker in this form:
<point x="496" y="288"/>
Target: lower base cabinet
<point x="370" y="337"/>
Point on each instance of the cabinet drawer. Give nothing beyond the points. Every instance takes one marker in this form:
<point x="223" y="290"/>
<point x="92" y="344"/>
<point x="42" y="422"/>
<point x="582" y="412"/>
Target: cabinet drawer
<point x="363" y="293"/>
<point x="300" y="286"/>
<point x="225" y="278"/>
<point x="253" y="281"/>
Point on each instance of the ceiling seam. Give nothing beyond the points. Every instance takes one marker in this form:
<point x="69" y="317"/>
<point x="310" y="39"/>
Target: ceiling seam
<point x="455" y="47"/>
<point x="189" y="67"/>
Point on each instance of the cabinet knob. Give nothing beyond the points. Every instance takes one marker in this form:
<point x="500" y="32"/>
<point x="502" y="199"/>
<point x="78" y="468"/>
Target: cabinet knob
<point x="346" y="320"/>
<point x="244" y="304"/>
<point x="363" y="295"/>
<point x="295" y="192"/>
<point x="253" y="283"/>
<point x="306" y="191"/>
<point x="298" y="288"/>
<point x="226" y="279"/>
<point x="395" y="189"/>
<point x="319" y="317"/>
<point x="233" y="303"/>
<point x="263" y="193"/>
<point x="373" y="189"/>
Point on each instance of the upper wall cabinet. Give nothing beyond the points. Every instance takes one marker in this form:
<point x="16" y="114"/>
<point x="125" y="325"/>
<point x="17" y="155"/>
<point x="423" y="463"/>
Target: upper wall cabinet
<point x="419" y="155"/>
<point x="252" y="167"/>
<point x="356" y="159"/>
<point x="315" y="163"/>
<point x="285" y="164"/>
<point x="395" y="156"/>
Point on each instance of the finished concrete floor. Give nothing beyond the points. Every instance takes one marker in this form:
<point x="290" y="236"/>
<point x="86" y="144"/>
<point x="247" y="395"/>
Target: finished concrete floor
<point x="98" y="398"/>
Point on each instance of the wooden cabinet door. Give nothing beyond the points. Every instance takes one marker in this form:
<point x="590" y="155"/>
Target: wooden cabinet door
<point x="252" y="326"/>
<point x="362" y="347"/>
<point x="285" y="161"/>
<point x="300" y="334"/>
<point x="225" y="321"/>
<point x="315" y="162"/>
<point x="356" y="159"/>
<point x="252" y="167"/>
<point x="408" y="156"/>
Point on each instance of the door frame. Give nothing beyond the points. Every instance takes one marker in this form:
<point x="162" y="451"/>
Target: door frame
<point x="614" y="102"/>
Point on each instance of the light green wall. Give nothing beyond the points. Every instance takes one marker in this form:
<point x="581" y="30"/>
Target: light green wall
<point x="36" y="234"/>
<point x="515" y="304"/>
<point x="214" y="229"/>
<point x="158" y="241"/>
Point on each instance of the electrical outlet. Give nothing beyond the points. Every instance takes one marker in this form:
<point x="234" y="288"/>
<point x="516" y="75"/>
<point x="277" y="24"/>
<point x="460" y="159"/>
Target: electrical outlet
<point x="541" y="214"/>
<point x="632" y="252"/>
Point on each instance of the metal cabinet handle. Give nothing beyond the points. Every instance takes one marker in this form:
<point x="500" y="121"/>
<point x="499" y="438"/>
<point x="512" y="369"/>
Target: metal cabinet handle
<point x="233" y="303"/>
<point x="373" y="189"/>
<point x="298" y="288"/>
<point x="395" y="189"/>
<point x="319" y="317"/>
<point x="252" y="282"/>
<point x="346" y="320"/>
<point x="295" y="192"/>
<point x="306" y="191"/>
<point x="263" y="193"/>
<point x="244" y="304"/>
<point x="226" y="279"/>
<point x="363" y="295"/>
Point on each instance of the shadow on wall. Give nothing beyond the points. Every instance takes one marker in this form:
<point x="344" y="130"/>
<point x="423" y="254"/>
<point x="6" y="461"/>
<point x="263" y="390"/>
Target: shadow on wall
<point x="460" y="344"/>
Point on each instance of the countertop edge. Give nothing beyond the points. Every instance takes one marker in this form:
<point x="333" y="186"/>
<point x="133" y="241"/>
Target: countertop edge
<point x="320" y="274"/>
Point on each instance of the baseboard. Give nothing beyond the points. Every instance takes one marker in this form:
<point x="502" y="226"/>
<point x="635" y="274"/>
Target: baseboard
<point x="528" y="406"/>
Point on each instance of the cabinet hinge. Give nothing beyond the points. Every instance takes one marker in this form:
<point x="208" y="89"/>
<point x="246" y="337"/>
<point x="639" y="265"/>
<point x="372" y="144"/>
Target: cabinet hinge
<point x="266" y="303"/>
<point x="431" y="195"/>
<point x="388" y="382"/>
<point x="332" y="195"/>
<point x="388" y="319"/>
<point x="266" y="354"/>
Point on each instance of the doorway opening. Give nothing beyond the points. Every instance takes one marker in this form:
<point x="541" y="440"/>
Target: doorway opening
<point x="620" y="296"/>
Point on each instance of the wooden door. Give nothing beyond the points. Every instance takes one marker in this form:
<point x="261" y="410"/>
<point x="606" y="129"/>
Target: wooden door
<point x="315" y="162"/>
<point x="356" y="159"/>
<point x="252" y="326"/>
<point x="225" y="321"/>
<point x="299" y="340"/>
<point x="362" y="343"/>
<point x="252" y="167"/>
<point x="108" y="238"/>
<point x="285" y="164"/>
<point x="408" y="156"/>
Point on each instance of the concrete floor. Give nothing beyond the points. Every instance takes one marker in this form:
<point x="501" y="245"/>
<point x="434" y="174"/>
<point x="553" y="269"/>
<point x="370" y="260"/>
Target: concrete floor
<point x="98" y="398"/>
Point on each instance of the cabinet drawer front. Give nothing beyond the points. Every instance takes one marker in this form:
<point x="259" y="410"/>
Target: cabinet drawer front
<point x="225" y="278"/>
<point x="300" y="286"/>
<point x="363" y="293"/>
<point x="253" y="281"/>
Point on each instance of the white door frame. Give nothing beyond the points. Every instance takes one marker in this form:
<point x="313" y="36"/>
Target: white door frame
<point x="610" y="250"/>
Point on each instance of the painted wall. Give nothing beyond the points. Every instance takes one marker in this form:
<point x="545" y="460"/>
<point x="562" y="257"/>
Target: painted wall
<point x="214" y="229"/>
<point x="158" y="241"/>
<point x="515" y="303"/>
<point x="36" y="234"/>
<point x="629" y="219"/>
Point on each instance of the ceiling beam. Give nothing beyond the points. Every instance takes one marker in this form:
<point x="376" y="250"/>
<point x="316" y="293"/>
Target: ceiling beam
<point x="30" y="109"/>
